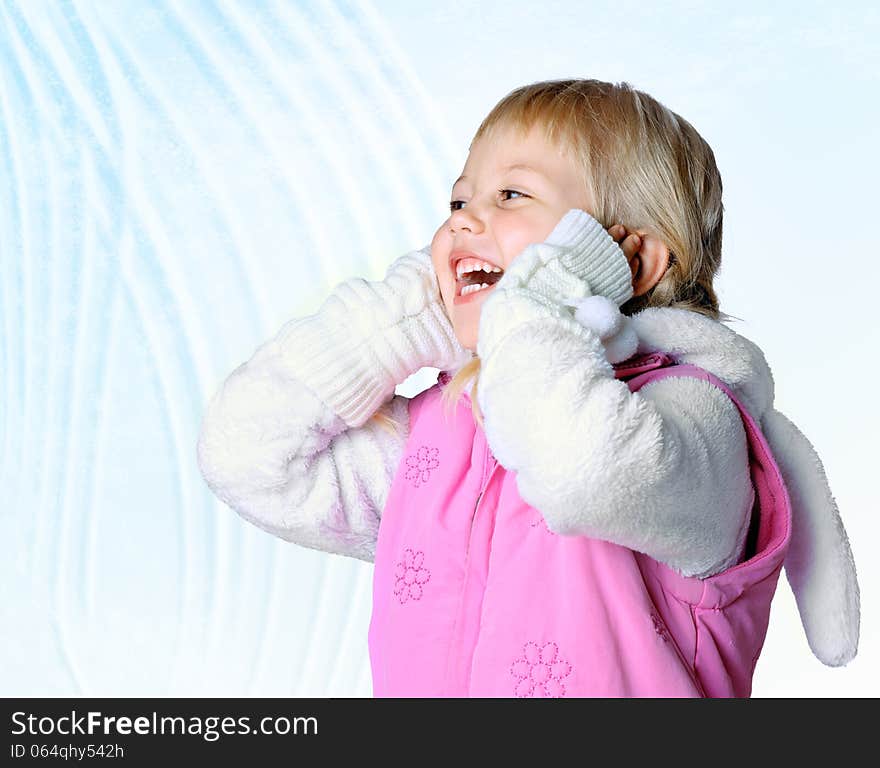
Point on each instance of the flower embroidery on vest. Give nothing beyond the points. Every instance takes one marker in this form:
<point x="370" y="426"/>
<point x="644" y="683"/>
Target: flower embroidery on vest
<point x="410" y="575"/>
<point x="420" y="464"/>
<point x="540" y="671"/>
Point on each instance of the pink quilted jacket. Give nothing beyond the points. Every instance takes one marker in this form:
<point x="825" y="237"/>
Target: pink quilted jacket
<point x="474" y="596"/>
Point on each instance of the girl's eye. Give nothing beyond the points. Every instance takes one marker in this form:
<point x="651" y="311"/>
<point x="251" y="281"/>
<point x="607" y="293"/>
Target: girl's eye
<point x="454" y="203"/>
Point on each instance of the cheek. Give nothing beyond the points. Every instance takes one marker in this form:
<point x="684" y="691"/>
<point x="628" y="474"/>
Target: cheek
<point x="442" y="237"/>
<point x="436" y="247"/>
<point x="518" y="235"/>
<point x="440" y="249"/>
<point x="512" y="246"/>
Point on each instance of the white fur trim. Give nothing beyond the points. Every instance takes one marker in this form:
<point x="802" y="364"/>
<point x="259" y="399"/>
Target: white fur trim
<point x="691" y="337"/>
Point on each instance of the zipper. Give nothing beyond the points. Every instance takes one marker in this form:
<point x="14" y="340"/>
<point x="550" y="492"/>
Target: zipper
<point x="487" y="476"/>
<point x="456" y="632"/>
<point x="473" y="518"/>
<point x="667" y="635"/>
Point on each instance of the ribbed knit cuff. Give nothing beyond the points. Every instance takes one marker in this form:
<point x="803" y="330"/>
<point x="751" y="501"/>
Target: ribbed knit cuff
<point x="592" y="255"/>
<point x="354" y="375"/>
<point x="334" y="364"/>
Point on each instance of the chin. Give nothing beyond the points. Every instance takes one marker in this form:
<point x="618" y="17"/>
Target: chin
<point x="467" y="340"/>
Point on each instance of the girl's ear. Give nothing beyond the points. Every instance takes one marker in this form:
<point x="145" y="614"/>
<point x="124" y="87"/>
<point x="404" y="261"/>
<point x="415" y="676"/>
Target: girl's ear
<point x="648" y="264"/>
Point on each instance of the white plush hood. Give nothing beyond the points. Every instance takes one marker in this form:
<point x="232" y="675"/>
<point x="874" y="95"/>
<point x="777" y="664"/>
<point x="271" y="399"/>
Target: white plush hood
<point x="819" y="564"/>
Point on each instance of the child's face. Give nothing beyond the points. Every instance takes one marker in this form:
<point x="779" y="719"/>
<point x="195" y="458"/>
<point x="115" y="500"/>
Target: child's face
<point x="497" y="211"/>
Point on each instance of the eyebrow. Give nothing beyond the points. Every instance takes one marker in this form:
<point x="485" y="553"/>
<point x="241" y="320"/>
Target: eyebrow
<point x="514" y="167"/>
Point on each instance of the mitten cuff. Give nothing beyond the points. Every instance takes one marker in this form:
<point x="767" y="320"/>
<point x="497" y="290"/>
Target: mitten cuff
<point x="593" y="255"/>
<point x="346" y="372"/>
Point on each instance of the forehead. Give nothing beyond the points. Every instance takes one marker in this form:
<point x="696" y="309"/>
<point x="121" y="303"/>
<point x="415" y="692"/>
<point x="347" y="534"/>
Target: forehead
<point x="507" y="149"/>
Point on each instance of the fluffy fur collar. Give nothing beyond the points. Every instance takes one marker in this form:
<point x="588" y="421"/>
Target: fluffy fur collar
<point x="691" y="337"/>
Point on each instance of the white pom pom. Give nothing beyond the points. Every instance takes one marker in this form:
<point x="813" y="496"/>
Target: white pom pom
<point x="603" y="316"/>
<point x="597" y="313"/>
<point x="623" y="344"/>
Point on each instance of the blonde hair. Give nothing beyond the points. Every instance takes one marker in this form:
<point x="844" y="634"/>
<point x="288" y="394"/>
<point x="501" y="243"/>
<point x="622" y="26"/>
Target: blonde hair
<point x="647" y="168"/>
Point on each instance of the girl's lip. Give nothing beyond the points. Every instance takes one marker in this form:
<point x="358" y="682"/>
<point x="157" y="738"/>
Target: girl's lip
<point x="454" y="258"/>
<point x="469" y="297"/>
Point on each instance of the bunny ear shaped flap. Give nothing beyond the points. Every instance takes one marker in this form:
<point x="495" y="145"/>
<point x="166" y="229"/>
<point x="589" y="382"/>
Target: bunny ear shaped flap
<point x="819" y="564"/>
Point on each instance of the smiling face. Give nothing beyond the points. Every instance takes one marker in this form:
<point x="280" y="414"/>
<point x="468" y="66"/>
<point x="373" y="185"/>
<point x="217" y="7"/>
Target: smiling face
<point x="498" y="209"/>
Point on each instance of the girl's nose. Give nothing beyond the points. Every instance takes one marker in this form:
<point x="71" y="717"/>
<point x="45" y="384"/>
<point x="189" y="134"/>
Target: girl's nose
<point x="465" y="219"/>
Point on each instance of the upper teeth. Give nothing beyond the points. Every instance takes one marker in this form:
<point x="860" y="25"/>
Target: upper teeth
<point x="472" y="266"/>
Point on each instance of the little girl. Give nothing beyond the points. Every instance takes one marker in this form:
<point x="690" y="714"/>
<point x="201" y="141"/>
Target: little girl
<point x="606" y="510"/>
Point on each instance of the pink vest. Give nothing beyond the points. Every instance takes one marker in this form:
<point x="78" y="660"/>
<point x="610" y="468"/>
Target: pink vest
<point x="474" y="596"/>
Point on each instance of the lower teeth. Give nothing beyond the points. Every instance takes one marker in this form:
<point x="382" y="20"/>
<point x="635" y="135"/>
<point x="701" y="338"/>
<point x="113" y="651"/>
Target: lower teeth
<point x="473" y="288"/>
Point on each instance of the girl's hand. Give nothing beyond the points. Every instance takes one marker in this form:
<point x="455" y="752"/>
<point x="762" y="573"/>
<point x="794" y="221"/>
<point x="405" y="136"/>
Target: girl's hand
<point x="579" y="257"/>
<point x="603" y="316"/>
<point x="629" y="244"/>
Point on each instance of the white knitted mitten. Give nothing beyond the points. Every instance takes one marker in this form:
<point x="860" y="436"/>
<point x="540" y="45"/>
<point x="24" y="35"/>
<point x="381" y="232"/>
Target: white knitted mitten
<point x="368" y="337"/>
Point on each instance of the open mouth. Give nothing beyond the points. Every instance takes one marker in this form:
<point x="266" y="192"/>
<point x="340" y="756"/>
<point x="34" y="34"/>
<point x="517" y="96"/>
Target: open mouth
<point x="474" y="276"/>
